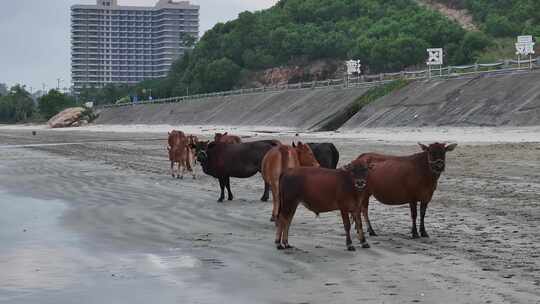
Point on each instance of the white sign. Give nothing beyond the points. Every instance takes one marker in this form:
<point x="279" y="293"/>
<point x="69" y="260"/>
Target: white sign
<point x="89" y="104"/>
<point x="524" y="48"/>
<point x="353" y="66"/>
<point x="525" y="45"/>
<point x="525" y="39"/>
<point x="435" y="57"/>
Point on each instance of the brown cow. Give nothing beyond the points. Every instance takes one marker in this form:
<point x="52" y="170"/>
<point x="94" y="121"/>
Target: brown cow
<point x="398" y="180"/>
<point x="179" y="153"/>
<point x="175" y="137"/>
<point x="226" y="138"/>
<point x="275" y="162"/>
<point x="192" y="141"/>
<point x="321" y="190"/>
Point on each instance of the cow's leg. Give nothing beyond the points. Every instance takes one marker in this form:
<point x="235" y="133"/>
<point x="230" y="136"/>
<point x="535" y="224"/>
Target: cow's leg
<point x="183" y="170"/>
<point x="347" y="227"/>
<point x="172" y="169"/>
<point x="359" y="229"/>
<point x="365" y="211"/>
<point x="285" y="239"/>
<point x="423" y="207"/>
<point x="265" y="196"/>
<point x="192" y="166"/>
<point x="280" y="224"/>
<point x="275" y="200"/>
<point x="414" y="211"/>
<point x="228" y="184"/>
<point x="222" y="187"/>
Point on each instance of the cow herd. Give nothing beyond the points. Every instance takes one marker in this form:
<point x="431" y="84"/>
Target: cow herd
<point x="307" y="173"/>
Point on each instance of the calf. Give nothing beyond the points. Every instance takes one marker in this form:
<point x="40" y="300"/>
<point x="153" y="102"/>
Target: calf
<point x="321" y="190"/>
<point x="179" y="153"/>
<point x="398" y="180"/>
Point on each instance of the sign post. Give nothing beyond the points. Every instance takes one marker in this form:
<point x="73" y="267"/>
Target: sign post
<point x="435" y="58"/>
<point x="353" y="67"/>
<point x="525" y="46"/>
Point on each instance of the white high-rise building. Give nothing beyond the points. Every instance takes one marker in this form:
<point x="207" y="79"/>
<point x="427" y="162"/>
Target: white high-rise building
<point x="128" y="44"/>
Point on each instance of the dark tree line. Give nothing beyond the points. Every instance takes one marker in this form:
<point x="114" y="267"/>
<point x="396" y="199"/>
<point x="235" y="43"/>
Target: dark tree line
<point x="17" y="105"/>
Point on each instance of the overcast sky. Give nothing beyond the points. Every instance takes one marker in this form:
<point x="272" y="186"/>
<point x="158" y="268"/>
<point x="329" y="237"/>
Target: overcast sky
<point x="35" y="35"/>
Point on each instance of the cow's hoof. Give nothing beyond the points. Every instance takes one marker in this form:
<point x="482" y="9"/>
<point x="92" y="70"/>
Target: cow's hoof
<point x="182" y="177"/>
<point x="287" y="246"/>
<point x="220" y="200"/>
<point x="424" y="234"/>
<point x="366" y="245"/>
<point x="272" y="218"/>
<point x="264" y="199"/>
<point x="230" y="198"/>
<point x="280" y="247"/>
<point x="372" y="232"/>
<point x="351" y="248"/>
<point x="415" y="236"/>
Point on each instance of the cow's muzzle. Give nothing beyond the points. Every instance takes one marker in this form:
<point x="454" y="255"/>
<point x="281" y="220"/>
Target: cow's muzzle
<point x="437" y="166"/>
<point x="202" y="157"/>
<point x="360" y="184"/>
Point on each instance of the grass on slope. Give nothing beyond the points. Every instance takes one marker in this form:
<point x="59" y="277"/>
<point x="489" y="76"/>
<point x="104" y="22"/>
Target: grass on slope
<point x="370" y="96"/>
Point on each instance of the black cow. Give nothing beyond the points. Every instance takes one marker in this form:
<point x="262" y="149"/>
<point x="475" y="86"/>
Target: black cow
<point x="224" y="161"/>
<point x="326" y="154"/>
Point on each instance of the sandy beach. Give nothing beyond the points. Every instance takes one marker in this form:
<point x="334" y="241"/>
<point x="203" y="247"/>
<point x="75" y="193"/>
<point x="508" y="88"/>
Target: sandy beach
<point x="92" y="214"/>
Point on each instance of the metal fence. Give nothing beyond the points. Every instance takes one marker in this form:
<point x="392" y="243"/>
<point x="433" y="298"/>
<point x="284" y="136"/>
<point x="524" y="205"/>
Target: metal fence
<point x="503" y="67"/>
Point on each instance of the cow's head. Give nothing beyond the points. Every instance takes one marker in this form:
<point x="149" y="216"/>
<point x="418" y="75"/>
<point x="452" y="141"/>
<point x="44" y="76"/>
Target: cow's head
<point x="305" y="155"/>
<point x="218" y="136"/>
<point x="436" y="154"/>
<point x="192" y="140"/>
<point x="201" y="148"/>
<point x="359" y="172"/>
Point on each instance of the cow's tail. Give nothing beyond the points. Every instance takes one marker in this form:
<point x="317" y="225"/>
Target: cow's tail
<point x="284" y="151"/>
<point x="281" y="199"/>
<point x="335" y="156"/>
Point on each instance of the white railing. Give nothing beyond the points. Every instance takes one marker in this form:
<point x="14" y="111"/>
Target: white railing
<point x="450" y="72"/>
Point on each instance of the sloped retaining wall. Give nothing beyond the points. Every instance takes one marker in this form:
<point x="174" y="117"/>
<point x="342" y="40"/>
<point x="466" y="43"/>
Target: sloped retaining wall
<point x="300" y="109"/>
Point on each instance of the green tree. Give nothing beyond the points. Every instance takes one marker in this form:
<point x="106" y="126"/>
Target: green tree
<point x="54" y="102"/>
<point x="499" y="26"/>
<point x="16" y="106"/>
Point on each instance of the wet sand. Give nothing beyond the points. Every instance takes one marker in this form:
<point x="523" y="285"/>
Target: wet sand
<point x="113" y="226"/>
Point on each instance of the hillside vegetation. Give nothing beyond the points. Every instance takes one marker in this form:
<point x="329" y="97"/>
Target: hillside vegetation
<point x="502" y="18"/>
<point x="388" y="35"/>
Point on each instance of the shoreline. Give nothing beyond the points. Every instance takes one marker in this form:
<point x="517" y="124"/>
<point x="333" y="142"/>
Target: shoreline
<point x="469" y="135"/>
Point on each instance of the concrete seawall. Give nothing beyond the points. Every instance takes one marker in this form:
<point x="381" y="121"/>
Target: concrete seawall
<point x="300" y="109"/>
<point x="501" y="100"/>
<point x="484" y="100"/>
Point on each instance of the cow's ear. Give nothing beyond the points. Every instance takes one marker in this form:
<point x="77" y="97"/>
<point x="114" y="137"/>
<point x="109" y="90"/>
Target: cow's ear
<point x="225" y="133"/>
<point x="293" y="145"/>
<point x="424" y="147"/>
<point x="451" y="147"/>
<point x="300" y="144"/>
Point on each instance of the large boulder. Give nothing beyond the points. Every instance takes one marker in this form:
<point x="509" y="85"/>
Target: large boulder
<point x="70" y="117"/>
